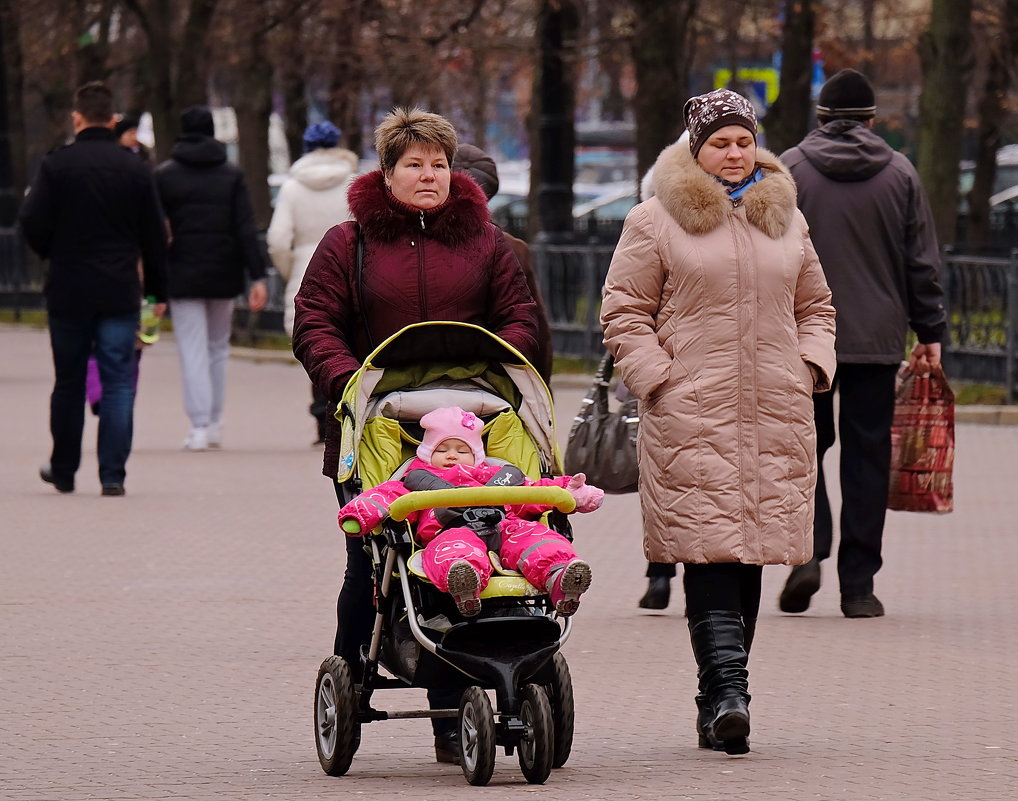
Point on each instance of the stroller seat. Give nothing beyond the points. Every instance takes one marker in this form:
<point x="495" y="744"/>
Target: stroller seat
<point x="504" y="583"/>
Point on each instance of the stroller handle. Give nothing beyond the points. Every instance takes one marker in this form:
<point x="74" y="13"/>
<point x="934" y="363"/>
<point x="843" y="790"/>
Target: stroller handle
<point x="480" y="496"/>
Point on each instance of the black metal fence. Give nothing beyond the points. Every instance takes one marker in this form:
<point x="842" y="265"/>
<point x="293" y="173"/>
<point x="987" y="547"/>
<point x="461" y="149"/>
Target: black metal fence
<point x="982" y="307"/>
<point x="982" y="304"/>
<point x="982" y="301"/>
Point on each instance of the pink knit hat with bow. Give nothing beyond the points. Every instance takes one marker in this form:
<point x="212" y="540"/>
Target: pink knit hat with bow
<point x="442" y="424"/>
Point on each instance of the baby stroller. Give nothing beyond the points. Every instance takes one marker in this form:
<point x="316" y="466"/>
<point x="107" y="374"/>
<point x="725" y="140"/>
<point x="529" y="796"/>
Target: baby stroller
<point x="512" y="646"/>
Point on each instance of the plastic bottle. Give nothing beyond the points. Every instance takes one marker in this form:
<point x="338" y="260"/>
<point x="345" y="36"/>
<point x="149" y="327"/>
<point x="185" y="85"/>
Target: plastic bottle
<point x="149" y="331"/>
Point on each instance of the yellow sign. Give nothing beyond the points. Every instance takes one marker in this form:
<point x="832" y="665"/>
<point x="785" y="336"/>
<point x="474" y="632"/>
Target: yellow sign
<point x="763" y="81"/>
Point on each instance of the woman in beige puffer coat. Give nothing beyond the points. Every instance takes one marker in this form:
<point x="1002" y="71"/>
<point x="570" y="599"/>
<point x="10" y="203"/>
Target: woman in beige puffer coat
<point x="721" y="323"/>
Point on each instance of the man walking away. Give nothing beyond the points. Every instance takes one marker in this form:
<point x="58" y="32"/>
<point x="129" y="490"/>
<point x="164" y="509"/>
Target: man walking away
<point x="213" y="243"/>
<point x="92" y="210"/>
<point x="871" y="224"/>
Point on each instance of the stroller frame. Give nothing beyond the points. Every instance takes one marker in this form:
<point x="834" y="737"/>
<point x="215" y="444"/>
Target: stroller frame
<point x="511" y="648"/>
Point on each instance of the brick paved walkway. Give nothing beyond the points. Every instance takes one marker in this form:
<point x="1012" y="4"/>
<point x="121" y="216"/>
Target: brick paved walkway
<point x="165" y="645"/>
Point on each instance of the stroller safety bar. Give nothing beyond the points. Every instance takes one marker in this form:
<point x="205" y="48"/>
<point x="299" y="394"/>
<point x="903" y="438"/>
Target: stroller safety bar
<point x="480" y="496"/>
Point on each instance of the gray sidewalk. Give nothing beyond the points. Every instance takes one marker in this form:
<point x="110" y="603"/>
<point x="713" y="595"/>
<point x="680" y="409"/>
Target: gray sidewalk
<point x="165" y="644"/>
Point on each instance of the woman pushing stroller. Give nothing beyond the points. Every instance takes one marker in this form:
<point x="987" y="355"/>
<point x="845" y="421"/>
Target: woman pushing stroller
<point x="457" y="540"/>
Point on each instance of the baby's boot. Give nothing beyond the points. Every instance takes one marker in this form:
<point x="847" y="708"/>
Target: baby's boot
<point x="566" y="585"/>
<point x="465" y="587"/>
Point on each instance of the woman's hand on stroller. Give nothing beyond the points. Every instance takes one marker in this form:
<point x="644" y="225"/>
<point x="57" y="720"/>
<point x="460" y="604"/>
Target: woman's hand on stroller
<point x="587" y="497"/>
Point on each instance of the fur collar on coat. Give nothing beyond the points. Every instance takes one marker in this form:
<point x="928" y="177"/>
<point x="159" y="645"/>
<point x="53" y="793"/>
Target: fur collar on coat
<point x="698" y="202"/>
<point x="384" y="219"/>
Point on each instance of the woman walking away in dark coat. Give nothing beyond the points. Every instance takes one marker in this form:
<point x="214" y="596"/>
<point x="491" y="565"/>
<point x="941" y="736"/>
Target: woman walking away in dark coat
<point x="214" y="243"/>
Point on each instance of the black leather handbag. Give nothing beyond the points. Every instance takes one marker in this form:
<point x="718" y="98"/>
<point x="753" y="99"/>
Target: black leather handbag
<point x="602" y="442"/>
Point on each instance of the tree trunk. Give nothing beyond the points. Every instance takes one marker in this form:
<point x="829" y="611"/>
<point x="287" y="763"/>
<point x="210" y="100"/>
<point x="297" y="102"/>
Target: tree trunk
<point x="252" y="101"/>
<point x="945" y="51"/>
<point x="13" y="164"/>
<point x="1000" y="43"/>
<point x="661" y="36"/>
<point x="92" y="52"/>
<point x="292" y="67"/>
<point x="553" y="138"/>
<point x="167" y="97"/>
<point x="347" y="78"/>
<point x="193" y="60"/>
<point x="789" y="117"/>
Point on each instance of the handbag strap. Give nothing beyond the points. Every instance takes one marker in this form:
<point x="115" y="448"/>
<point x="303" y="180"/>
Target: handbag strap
<point x="360" y="284"/>
<point x="602" y="378"/>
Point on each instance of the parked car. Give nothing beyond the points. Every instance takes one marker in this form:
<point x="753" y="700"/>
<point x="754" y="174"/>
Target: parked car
<point x="1003" y="219"/>
<point x="598" y="208"/>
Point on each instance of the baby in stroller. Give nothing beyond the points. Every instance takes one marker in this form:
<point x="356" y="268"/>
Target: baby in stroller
<point x="458" y="540"/>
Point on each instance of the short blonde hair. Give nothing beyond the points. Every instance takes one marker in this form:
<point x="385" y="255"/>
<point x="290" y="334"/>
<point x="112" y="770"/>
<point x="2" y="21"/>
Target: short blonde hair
<point x="404" y="127"/>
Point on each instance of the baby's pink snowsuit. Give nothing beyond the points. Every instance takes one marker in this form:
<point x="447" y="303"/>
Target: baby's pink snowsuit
<point x="527" y="545"/>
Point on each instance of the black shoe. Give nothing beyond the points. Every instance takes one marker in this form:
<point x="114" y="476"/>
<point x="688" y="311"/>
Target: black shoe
<point x="802" y="584"/>
<point x="659" y="592"/>
<point x="861" y="606"/>
<point x="46" y="474"/>
<point x="114" y="490"/>
<point x="447" y="747"/>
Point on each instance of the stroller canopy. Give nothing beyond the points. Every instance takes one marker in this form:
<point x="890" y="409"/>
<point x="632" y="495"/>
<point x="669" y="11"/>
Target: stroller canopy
<point x="464" y="365"/>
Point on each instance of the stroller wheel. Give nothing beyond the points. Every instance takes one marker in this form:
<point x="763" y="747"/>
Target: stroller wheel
<point x="477" y="736"/>
<point x="337" y="732"/>
<point x="560" y="690"/>
<point x="537" y="745"/>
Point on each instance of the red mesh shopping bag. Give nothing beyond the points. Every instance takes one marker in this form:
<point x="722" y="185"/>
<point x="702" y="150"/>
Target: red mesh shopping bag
<point x="922" y="444"/>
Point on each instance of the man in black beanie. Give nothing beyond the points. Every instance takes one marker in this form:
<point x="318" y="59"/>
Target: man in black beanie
<point x="213" y="247"/>
<point x="871" y="225"/>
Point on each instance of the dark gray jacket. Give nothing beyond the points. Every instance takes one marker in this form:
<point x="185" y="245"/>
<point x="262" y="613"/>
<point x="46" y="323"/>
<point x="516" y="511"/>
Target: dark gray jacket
<point x="872" y="227"/>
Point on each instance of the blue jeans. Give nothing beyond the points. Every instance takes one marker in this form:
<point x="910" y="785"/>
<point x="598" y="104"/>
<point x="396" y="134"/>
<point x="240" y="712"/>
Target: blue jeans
<point x="73" y="340"/>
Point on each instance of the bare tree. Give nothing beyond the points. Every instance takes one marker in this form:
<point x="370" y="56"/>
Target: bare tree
<point x="177" y="57"/>
<point x="789" y="116"/>
<point x="12" y="125"/>
<point x="945" y="51"/>
<point x="661" y="45"/>
<point x="553" y="137"/>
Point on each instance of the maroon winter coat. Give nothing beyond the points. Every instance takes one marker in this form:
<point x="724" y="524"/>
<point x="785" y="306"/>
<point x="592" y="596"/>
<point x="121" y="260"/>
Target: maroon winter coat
<point x="447" y="263"/>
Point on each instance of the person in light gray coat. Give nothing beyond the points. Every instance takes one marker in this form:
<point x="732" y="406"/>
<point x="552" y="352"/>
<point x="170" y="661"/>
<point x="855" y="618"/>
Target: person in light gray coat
<point x="873" y="230"/>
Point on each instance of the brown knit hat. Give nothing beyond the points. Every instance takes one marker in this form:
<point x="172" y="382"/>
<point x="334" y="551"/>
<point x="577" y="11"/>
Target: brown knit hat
<point x="479" y="166"/>
<point x="704" y="114"/>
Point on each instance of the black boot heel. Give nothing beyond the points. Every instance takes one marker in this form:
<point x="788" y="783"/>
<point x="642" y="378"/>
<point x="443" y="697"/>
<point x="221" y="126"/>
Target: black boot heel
<point x="704" y="715"/>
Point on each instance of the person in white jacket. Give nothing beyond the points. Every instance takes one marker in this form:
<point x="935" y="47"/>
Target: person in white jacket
<point x="310" y="202"/>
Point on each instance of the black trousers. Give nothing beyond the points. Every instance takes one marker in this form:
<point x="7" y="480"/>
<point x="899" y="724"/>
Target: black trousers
<point x="319" y="409"/>
<point x="355" y="618"/>
<point x="865" y="413"/>
<point x="722" y="587"/>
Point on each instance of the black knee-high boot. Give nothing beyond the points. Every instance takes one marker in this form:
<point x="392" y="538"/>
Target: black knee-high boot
<point x="705" y="712"/>
<point x="720" y="641"/>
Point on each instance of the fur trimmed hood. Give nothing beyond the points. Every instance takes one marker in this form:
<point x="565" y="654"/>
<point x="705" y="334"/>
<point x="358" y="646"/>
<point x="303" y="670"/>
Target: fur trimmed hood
<point x="698" y="202"/>
<point x="385" y="219"/>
